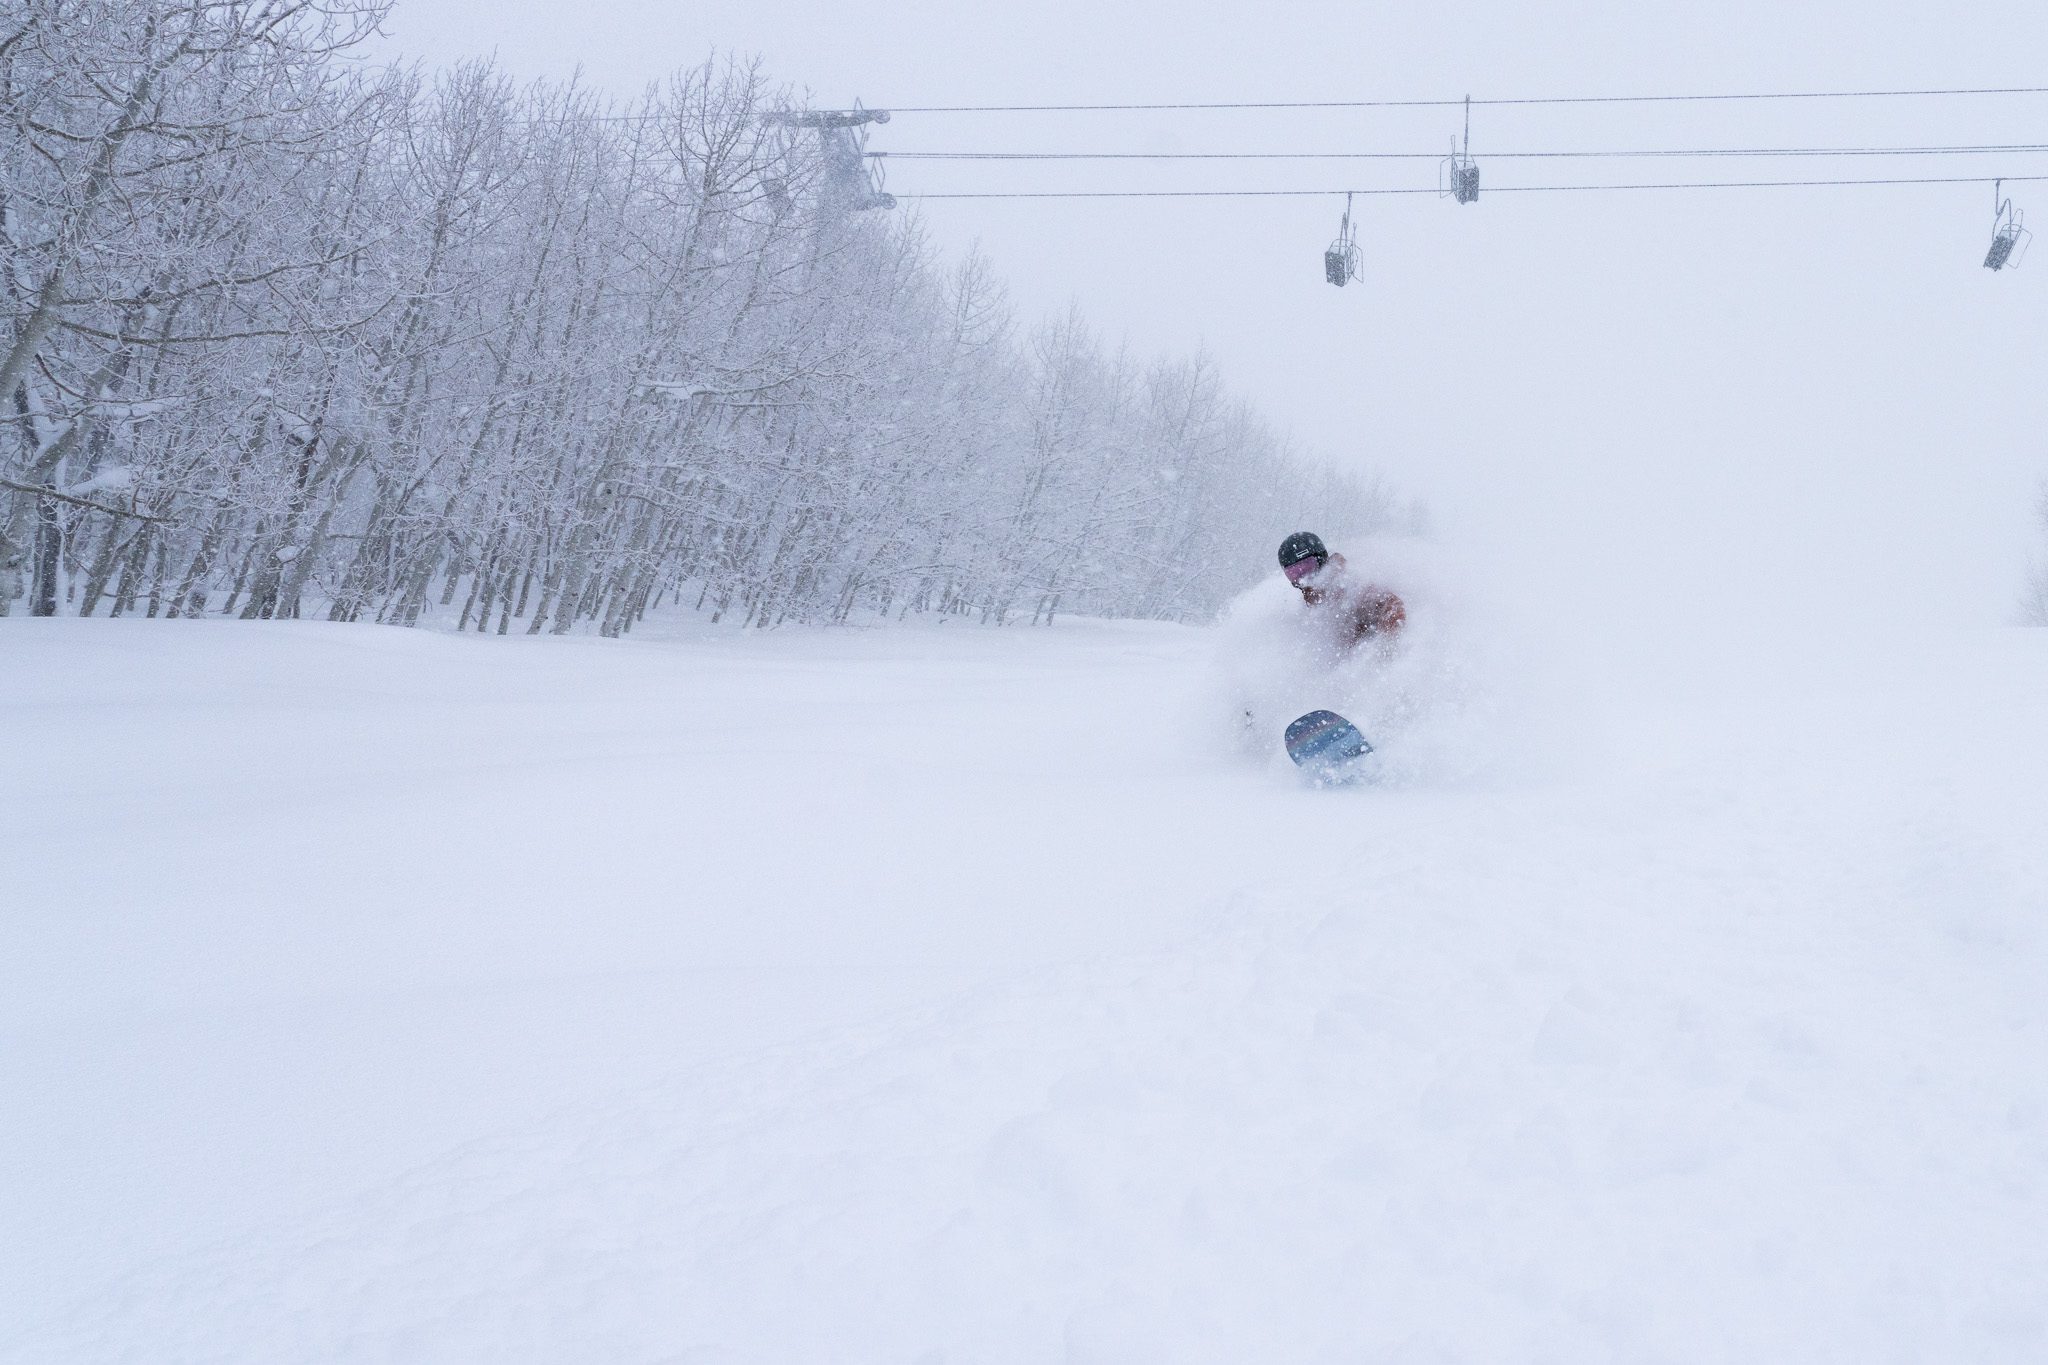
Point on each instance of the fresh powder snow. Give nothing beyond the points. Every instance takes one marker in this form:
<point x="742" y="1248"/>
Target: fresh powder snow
<point x="938" y="994"/>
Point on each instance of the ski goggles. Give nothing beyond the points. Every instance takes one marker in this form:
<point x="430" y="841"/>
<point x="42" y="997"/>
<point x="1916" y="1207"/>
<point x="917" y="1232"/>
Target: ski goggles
<point x="1301" y="570"/>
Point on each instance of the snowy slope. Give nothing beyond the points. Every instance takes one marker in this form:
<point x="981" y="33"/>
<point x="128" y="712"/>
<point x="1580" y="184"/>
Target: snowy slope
<point x="951" y="995"/>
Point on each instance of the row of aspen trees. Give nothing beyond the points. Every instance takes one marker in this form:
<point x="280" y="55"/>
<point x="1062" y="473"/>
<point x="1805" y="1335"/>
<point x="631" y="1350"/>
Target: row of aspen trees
<point x="283" y="335"/>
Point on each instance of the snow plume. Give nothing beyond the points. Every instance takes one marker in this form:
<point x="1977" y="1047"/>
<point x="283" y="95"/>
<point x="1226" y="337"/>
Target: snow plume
<point x="1461" y="696"/>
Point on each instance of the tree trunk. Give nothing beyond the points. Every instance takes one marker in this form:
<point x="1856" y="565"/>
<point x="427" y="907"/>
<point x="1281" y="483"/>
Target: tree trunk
<point x="49" y="546"/>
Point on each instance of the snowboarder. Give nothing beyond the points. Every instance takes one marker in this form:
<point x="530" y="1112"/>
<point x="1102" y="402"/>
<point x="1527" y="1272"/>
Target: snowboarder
<point x="1346" y="610"/>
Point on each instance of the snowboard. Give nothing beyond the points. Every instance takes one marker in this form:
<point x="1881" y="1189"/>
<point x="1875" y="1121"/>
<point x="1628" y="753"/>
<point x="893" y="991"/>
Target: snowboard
<point x="1326" y="746"/>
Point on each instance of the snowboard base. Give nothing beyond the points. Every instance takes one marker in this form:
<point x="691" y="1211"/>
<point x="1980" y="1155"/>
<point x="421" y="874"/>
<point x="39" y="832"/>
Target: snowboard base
<point x="1326" y="746"/>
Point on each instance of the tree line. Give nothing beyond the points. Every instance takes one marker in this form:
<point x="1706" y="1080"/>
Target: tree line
<point x="287" y="336"/>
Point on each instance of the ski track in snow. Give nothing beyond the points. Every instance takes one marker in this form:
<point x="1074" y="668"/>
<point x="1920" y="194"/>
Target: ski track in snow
<point x="938" y="995"/>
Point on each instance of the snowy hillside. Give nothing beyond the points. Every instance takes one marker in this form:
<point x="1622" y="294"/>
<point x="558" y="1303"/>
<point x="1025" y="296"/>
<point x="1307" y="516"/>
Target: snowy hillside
<point x="951" y="995"/>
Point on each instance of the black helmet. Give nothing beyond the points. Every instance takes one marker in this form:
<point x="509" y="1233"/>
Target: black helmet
<point x="1302" y="545"/>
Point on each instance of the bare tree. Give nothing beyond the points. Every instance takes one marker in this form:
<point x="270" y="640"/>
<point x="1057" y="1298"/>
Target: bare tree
<point x="145" y="142"/>
<point x="282" y="339"/>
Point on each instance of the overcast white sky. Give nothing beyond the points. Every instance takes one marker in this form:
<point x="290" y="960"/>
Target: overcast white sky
<point x="1775" y="404"/>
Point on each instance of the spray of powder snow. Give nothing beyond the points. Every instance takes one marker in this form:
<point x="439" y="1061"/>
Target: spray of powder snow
<point x="1457" y="698"/>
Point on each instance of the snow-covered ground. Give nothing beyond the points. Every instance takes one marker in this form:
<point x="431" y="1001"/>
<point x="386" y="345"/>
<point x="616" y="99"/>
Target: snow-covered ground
<point x="936" y="994"/>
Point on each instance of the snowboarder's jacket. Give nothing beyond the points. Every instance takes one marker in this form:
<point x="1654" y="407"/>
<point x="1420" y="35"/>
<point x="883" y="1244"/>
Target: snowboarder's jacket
<point x="1350" y="610"/>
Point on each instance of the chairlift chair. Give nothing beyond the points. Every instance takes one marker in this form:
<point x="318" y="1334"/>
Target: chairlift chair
<point x="2009" y="235"/>
<point x="1459" y="178"/>
<point x="1458" y="175"/>
<point x="1341" y="259"/>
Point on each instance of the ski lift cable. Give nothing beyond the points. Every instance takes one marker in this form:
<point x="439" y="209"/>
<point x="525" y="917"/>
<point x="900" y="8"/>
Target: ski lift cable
<point x="1428" y="189"/>
<point x="657" y="116"/>
<point x="1453" y="103"/>
<point x="1258" y="105"/>
<point x="1986" y="149"/>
